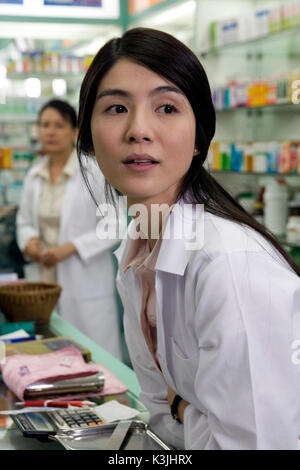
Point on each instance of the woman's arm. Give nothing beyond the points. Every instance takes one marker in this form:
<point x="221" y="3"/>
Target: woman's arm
<point x="25" y="226"/>
<point x="153" y="386"/>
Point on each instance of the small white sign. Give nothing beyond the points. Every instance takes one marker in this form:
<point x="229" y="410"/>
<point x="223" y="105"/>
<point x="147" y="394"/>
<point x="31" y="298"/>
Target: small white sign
<point x="109" y="9"/>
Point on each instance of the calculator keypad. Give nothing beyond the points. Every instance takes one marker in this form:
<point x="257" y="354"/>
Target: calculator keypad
<point x="79" y="418"/>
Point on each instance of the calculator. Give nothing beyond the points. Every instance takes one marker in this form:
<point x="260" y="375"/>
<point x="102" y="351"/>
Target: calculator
<point x="45" y="423"/>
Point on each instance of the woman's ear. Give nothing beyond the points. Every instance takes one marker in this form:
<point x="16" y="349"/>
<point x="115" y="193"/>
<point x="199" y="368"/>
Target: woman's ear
<point x="196" y="151"/>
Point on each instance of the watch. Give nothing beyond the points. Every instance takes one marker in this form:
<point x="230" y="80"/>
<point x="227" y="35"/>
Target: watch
<point x="174" y="407"/>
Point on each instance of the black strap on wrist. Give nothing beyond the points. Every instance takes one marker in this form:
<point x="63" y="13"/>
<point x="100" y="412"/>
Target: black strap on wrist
<point x="174" y="407"/>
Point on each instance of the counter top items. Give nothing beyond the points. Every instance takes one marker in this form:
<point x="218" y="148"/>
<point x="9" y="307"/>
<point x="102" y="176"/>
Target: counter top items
<point x="55" y="403"/>
<point x="21" y="370"/>
<point x="19" y="336"/>
<point x="46" y="423"/>
<point x="46" y="345"/>
<point x="29" y="301"/>
<point x="137" y="437"/>
<point x="90" y="383"/>
<point x="112" y="386"/>
<point x="7" y="328"/>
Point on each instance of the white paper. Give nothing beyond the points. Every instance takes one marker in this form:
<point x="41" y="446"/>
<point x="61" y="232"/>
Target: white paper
<point x="6" y="277"/>
<point x="15" y="334"/>
<point x="115" y="411"/>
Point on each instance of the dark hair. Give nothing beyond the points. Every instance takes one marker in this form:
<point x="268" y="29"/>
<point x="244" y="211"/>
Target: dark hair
<point x="64" y="108"/>
<point x="168" y="57"/>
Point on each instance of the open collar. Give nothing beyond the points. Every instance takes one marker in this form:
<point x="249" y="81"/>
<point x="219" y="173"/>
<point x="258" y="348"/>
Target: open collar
<point x="69" y="169"/>
<point x="182" y="235"/>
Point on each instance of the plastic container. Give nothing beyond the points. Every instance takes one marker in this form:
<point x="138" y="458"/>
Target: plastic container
<point x="293" y="229"/>
<point x="284" y="158"/>
<point x="260" y="158"/>
<point x="276" y="206"/>
<point x="272" y="157"/>
<point x="249" y="157"/>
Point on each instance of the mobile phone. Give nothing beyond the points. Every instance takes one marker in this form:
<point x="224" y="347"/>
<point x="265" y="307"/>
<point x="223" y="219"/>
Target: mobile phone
<point x="90" y="383"/>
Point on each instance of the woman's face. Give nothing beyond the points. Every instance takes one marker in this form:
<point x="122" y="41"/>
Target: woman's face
<point x="56" y="133"/>
<point x="143" y="130"/>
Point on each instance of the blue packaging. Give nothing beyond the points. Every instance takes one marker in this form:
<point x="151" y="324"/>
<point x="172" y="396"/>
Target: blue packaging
<point x="272" y="157"/>
<point x="236" y="160"/>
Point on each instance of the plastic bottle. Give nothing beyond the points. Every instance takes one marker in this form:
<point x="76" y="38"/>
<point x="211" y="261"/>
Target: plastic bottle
<point x="6" y="158"/>
<point x="284" y="158"/>
<point x="294" y="157"/>
<point x="260" y="157"/>
<point x="293" y="229"/>
<point x="276" y="206"/>
<point x="272" y="157"/>
<point x="225" y="156"/>
<point x="249" y="157"/>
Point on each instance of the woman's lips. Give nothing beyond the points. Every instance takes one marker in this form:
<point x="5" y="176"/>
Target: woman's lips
<point x="140" y="162"/>
<point x="140" y="166"/>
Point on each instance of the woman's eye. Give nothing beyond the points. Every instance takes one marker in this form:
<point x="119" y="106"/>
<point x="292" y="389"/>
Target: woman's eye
<point x="116" y="109"/>
<point x="167" y="109"/>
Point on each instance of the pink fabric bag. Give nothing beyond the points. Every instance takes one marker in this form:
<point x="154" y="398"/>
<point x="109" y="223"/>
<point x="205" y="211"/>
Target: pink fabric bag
<point x="21" y="370"/>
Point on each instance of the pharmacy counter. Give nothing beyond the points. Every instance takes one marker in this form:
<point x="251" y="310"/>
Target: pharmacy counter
<point x="12" y="439"/>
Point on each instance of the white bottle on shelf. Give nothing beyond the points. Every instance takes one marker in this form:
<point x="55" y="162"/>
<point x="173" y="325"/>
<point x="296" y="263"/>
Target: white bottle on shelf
<point x="260" y="157"/>
<point x="276" y="206"/>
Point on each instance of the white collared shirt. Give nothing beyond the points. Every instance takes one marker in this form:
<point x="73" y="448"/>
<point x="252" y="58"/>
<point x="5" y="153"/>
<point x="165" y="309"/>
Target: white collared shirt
<point x="228" y="315"/>
<point x="50" y="206"/>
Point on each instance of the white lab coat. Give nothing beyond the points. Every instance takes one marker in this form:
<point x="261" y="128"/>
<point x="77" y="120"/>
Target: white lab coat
<point x="88" y="298"/>
<point x="227" y="316"/>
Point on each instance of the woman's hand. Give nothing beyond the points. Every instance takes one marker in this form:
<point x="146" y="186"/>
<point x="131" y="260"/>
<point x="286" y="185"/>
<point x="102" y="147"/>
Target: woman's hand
<point x="55" y="254"/>
<point x="33" y="249"/>
<point x="181" y="406"/>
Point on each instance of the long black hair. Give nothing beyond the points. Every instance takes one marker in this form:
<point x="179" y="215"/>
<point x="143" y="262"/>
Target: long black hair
<point x="168" y="57"/>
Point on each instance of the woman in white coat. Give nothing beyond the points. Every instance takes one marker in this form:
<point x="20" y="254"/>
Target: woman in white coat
<point x="211" y="299"/>
<point x="56" y="230"/>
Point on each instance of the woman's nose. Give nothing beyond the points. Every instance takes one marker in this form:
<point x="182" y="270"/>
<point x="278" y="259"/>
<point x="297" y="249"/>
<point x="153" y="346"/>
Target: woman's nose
<point x="139" y="130"/>
<point x="137" y="139"/>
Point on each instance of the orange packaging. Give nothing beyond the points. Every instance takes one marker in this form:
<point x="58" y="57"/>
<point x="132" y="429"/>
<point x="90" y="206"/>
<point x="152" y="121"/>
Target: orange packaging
<point x="216" y="156"/>
<point x="284" y="158"/>
<point x="298" y="156"/>
<point x="6" y="158"/>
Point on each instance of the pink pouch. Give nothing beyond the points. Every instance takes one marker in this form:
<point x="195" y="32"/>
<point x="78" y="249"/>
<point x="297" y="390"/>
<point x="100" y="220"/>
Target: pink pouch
<point x="21" y="370"/>
<point x="112" y="386"/>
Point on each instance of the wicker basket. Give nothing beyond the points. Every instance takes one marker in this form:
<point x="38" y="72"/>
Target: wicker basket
<point x="29" y="301"/>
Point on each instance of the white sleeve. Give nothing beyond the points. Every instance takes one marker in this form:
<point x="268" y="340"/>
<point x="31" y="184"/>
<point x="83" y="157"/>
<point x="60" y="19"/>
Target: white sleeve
<point x="247" y="318"/>
<point x="89" y="245"/>
<point x="153" y="386"/>
<point x="25" y="226"/>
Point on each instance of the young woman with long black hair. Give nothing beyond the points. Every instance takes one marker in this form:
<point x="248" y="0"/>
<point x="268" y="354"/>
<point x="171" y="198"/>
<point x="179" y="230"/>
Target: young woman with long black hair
<point x="212" y="327"/>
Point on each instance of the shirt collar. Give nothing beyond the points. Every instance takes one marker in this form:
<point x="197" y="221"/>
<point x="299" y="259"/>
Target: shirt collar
<point x="69" y="169"/>
<point x="71" y="165"/>
<point x="182" y="235"/>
